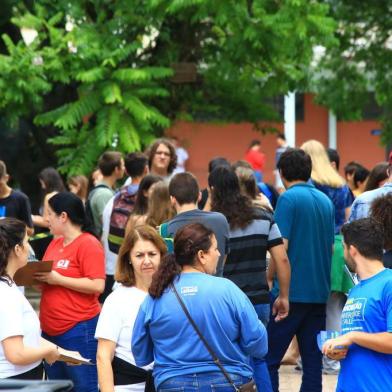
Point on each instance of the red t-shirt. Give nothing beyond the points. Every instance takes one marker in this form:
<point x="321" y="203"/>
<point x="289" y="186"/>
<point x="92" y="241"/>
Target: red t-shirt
<point x="62" y="308"/>
<point x="256" y="159"/>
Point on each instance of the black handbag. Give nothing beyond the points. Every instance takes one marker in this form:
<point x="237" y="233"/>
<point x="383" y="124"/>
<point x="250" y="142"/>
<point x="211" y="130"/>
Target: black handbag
<point x="249" y="386"/>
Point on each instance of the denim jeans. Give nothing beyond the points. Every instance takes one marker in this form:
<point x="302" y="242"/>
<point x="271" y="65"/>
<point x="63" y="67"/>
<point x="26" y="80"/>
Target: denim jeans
<point x="259" y="365"/>
<point x="79" y="338"/>
<point x="305" y="320"/>
<point x="202" y="382"/>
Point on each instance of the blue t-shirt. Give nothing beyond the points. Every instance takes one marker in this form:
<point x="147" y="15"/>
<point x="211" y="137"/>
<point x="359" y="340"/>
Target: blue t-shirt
<point x="368" y="309"/>
<point x="341" y="198"/>
<point x="305" y="217"/>
<point x="223" y="313"/>
<point x="361" y="206"/>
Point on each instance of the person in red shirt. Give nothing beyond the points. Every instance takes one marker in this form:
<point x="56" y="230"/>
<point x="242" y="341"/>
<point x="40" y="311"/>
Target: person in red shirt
<point x="256" y="158"/>
<point x="69" y="305"/>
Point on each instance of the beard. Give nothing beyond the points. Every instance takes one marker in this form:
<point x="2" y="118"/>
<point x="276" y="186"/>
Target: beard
<point x="350" y="262"/>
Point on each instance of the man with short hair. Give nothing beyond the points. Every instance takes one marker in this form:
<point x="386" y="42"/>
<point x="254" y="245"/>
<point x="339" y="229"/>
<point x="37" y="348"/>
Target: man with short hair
<point x="361" y="206"/>
<point x="111" y="165"/>
<point x="305" y="217"/>
<point x="14" y="204"/>
<point x="184" y="194"/>
<point x="116" y="214"/>
<point x="367" y="315"/>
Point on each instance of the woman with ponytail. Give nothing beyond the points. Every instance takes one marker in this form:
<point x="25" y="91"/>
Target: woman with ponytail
<point x="21" y="348"/>
<point x="228" y="321"/>
<point x="69" y="304"/>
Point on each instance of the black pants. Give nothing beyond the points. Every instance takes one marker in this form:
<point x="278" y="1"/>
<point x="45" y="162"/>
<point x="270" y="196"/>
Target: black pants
<point x="305" y="320"/>
<point x="34" y="374"/>
<point x="109" y="282"/>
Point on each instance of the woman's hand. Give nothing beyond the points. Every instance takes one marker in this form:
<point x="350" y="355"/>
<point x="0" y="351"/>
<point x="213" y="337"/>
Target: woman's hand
<point x="51" y="277"/>
<point x="52" y="356"/>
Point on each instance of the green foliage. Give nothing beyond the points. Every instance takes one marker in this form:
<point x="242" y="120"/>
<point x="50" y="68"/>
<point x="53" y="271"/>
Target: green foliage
<point x="359" y="63"/>
<point x="106" y="82"/>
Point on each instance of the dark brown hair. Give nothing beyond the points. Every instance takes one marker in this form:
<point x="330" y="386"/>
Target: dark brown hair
<point x="188" y="241"/>
<point x="108" y="162"/>
<point x="381" y="211"/>
<point x="141" y="203"/>
<point x="52" y="180"/>
<point x="227" y="199"/>
<point x="12" y="233"/>
<point x="378" y="173"/>
<point x="184" y="187"/>
<point x="173" y="155"/>
<point x="124" y="270"/>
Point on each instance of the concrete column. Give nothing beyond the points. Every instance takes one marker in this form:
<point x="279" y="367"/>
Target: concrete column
<point x="332" y="130"/>
<point x="289" y="118"/>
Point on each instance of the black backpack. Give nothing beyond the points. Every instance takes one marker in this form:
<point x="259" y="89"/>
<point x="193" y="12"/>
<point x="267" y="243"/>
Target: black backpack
<point x="89" y="225"/>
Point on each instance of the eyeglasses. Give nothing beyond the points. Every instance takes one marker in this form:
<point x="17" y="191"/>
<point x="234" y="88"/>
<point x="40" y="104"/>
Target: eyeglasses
<point x="166" y="154"/>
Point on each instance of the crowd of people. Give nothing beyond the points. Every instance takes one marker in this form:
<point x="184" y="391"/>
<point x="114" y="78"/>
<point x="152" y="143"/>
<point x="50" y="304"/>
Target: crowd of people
<point x="168" y="287"/>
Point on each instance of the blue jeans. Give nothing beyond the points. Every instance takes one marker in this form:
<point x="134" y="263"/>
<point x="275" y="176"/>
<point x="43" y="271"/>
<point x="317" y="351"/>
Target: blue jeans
<point x="305" y="320"/>
<point x="259" y="365"/>
<point x="79" y="338"/>
<point x="202" y="382"/>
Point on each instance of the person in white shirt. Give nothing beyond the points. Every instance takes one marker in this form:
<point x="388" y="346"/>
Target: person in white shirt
<point x="182" y="156"/>
<point x="22" y="349"/>
<point x="139" y="257"/>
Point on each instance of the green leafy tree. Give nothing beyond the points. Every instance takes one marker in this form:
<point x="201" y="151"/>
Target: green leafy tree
<point x="99" y="73"/>
<point x="360" y="63"/>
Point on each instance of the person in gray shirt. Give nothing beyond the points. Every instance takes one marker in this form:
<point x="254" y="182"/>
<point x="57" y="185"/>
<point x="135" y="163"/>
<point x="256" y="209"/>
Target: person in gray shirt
<point x="184" y="194"/>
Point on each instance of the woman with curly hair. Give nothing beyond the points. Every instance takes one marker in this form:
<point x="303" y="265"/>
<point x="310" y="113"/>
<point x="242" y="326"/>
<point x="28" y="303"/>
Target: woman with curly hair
<point x="381" y="210"/>
<point x="253" y="232"/>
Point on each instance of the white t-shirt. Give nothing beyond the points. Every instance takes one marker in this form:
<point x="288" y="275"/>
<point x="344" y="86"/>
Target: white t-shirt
<point x="17" y="318"/>
<point x="110" y="257"/>
<point x="182" y="157"/>
<point x="116" y="323"/>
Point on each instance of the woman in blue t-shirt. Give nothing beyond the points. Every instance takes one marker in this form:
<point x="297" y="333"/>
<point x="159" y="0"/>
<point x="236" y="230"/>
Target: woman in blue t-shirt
<point x="223" y="313"/>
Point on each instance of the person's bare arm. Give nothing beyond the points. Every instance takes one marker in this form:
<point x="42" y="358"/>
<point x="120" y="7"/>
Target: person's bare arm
<point x="105" y="354"/>
<point x="18" y="354"/>
<point x="347" y="212"/>
<point x="83" y="285"/>
<point x="379" y="342"/>
<point x="283" y="272"/>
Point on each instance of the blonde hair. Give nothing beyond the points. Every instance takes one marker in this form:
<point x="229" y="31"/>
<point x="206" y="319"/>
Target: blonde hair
<point x="82" y="182"/>
<point x="322" y="171"/>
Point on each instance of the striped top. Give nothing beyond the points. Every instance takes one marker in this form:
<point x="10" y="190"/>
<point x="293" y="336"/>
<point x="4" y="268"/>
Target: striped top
<point x="246" y="263"/>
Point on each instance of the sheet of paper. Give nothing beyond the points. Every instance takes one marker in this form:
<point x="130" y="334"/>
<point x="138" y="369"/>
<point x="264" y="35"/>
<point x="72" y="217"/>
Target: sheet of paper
<point x="73" y="357"/>
<point x="25" y="276"/>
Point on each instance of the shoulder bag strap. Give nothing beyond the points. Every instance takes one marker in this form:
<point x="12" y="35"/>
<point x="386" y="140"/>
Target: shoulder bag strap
<point x="208" y="347"/>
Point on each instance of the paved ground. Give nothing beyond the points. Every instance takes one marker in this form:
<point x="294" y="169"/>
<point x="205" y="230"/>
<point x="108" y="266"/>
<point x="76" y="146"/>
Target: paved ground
<point x="290" y="380"/>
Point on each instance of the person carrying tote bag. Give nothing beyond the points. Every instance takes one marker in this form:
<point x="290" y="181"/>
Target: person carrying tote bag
<point x="164" y="334"/>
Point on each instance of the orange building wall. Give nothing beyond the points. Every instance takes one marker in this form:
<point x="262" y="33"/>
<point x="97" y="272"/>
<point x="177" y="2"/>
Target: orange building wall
<point x="205" y="141"/>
